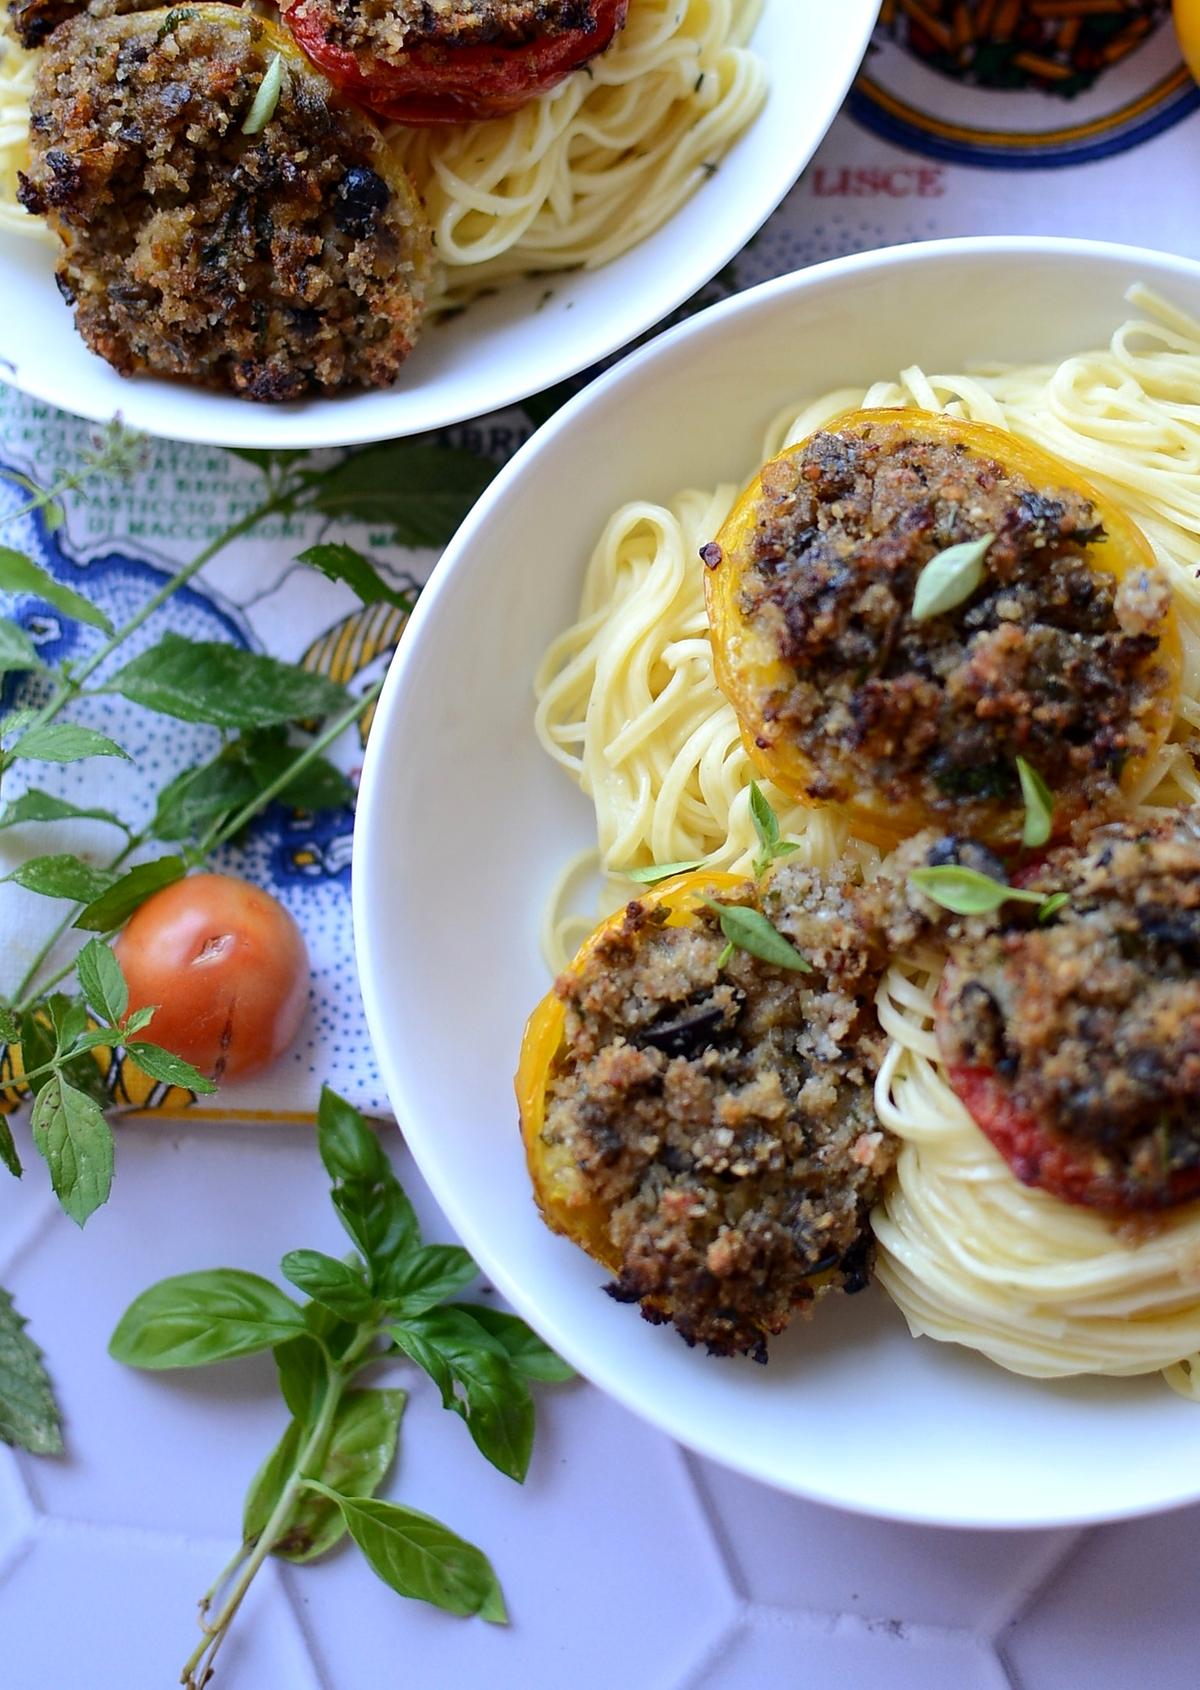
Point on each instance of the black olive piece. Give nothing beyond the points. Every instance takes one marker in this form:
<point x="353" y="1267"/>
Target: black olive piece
<point x="966" y="853"/>
<point x="358" y="199"/>
<point x="687" y="1034"/>
<point x="856" y="1266"/>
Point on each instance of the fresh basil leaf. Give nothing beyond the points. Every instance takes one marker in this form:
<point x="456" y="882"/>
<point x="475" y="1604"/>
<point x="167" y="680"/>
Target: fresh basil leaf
<point x="71" y="1133"/>
<point x="347" y="1146"/>
<point x="342" y="563"/>
<point x="379" y="1219"/>
<point x="500" y="1414"/>
<point x="950" y="578"/>
<point x="368" y="1197"/>
<point x="65" y="742"/>
<point x="432" y="1360"/>
<point x="172" y="1070"/>
<point x="35" y="806"/>
<point x="267" y="1485"/>
<point x="266" y="97"/>
<point x="101" y="981"/>
<point x="1053" y="904"/>
<point x="419" y="1557"/>
<point x="8" y="1150"/>
<point x="750" y="931"/>
<point x="419" y="492"/>
<point x="420" y="1280"/>
<point x="19" y="574"/>
<point x="328" y="1281"/>
<point x="225" y="685"/>
<point x="18" y="653"/>
<point x="29" y="1417"/>
<point x="1039" y="806"/>
<point x="965" y="891"/>
<point x="303" y="1376"/>
<point x="659" y="871"/>
<point x="336" y="1335"/>
<point x="115" y="905"/>
<point x="361" y="1448"/>
<point x="62" y="876"/>
<point x="528" y="1354"/>
<point x="496" y="1403"/>
<point x="194" y="1318"/>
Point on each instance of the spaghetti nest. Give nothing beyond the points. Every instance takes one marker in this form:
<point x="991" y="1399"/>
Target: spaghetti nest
<point x="573" y="179"/>
<point x="628" y="704"/>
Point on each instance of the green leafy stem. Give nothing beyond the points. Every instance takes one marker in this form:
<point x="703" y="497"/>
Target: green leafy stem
<point x="392" y="1299"/>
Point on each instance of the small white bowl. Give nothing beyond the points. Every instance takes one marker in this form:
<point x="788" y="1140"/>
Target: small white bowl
<point x="506" y="346"/>
<point x="463" y="823"/>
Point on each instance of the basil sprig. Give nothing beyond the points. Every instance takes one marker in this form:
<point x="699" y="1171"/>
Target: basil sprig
<point x="388" y="1301"/>
<point x="750" y="931"/>
<point x="950" y="578"/>
<point x="965" y="891"/>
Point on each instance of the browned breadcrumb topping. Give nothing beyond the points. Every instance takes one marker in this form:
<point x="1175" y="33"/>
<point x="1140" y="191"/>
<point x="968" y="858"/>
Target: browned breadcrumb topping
<point x="720" y="1113"/>
<point x="1094" y="1018"/>
<point x="1048" y="659"/>
<point x="386" y="28"/>
<point x="276" y="264"/>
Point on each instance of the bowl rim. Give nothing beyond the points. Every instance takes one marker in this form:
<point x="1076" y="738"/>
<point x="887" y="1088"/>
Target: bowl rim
<point x="303" y="425"/>
<point x="370" y="852"/>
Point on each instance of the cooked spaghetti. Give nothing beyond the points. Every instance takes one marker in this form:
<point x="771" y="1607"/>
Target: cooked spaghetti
<point x="628" y="704"/>
<point x="570" y="181"/>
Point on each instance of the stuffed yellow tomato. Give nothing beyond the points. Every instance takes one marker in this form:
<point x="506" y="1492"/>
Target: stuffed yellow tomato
<point x="695" y="1102"/>
<point x="916" y="618"/>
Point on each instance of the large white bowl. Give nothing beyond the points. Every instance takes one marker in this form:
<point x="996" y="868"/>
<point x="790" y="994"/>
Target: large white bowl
<point x="463" y="823"/>
<point x="503" y="347"/>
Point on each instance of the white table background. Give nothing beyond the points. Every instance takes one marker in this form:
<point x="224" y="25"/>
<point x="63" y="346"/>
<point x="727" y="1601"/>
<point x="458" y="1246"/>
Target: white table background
<point x="627" y="1564"/>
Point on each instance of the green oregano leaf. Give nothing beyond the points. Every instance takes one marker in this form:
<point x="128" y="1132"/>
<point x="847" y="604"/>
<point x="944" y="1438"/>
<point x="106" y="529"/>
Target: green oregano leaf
<point x="341" y="562"/>
<point x="1055" y="902"/>
<point x="62" y="876"/>
<point x="29" y="1415"/>
<point x="766" y="826"/>
<point x="71" y="1133"/>
<point x="17" y="650"/>
<point x="1039" y="806"/>
<point x="950" y="578"/>
<point x="651" y="875"/>
<point x="262" y="109"/>
<point x="750" y="931"/>
<point x="172" y="1070"/>
<point x="114" y="906"/>
<point x="19" y="574"/>
<point x="65" y="742"/>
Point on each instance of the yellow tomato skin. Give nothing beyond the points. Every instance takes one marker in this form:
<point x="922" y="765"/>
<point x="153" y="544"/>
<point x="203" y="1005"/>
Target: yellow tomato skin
<point x="544" y="1043"/>
<point x="748" y="671"/>
<point x="1187" y="27"/>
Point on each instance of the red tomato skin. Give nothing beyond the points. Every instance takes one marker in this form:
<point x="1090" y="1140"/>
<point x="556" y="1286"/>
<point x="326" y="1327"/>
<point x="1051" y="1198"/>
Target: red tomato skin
<point x="1065" y="1168"/>
<point x="433" y="85"/>
<point x="227" y="968"/>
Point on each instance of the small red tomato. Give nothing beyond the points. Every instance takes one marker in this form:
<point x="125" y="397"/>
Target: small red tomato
<point x="224" y="966"/>
<point x="438" y="82"/>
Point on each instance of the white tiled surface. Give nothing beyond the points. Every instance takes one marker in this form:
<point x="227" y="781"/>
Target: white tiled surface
<point x="627" y="1565"/>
